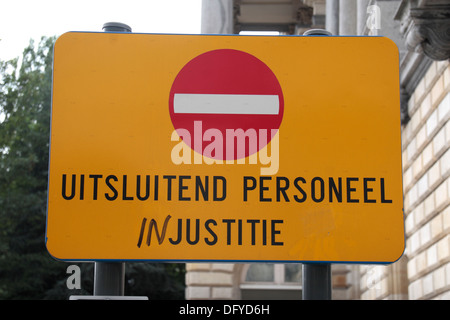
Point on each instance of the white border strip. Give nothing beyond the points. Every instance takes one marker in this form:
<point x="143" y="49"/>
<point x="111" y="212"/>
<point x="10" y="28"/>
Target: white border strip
<point x="226" y="103"/>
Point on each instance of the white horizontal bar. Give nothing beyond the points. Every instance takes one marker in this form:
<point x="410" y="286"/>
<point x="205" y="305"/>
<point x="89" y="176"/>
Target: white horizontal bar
<point x="225" y="103"/>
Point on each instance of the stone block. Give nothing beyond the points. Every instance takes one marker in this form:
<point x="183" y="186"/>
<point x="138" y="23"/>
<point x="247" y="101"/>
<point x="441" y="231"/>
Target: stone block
<point x="436" y="226"/>
<point x="223" y="267"/>
<point x="439" y="278"/>
<point x="429" y="205"/>
<point x="430" y="75"/>
<point x="432" y="256"/>
<point x="445" y="163"/>
<point x="422" y="185"/>
<point x="439" y="141"/>
<point x="444" y="109"/>
<point x="425" y="235"/>
<point x="197" y="266"/>
<point x="434" y="174"/>
<point x="417" y="167"/>
<point x="222" y="293"/>
<point x="425" y="106"/>
<point x="437" y="91"/>
<point x="427" y="283"/>
<point x="443" y="248"/>
<point x="427" y="155"/>
<point x="431" y="123"/>
<point x="208" y="278"/>
<point x="421" y="262"/>
<point x="412" y="268"/>
<point x="415" y="290"/>
<point x="446" y="76"/>
<point x="441" y="194"/>
<point x="421" y="137"/>
<point x="447" y="273"/>
<point x="446" y="219"/>
<point x="197" y="293"/>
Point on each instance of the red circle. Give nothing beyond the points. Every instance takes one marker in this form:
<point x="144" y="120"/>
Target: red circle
<point x="229" y="72"/>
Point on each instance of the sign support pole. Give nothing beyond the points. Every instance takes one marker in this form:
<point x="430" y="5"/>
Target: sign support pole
<point x="109" y="277"/>
<point x="316" y="277"/>
<point x="316" y="281"/>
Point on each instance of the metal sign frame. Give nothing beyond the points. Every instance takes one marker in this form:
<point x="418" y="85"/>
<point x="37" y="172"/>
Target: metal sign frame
<point x="354" y="204"/>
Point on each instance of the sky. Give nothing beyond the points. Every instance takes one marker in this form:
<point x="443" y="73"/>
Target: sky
<point x="21" y="20"/>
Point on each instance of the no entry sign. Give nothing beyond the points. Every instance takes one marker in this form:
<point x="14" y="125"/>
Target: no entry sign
<point x="223" y="91"/>
<point x="225" y="148"/>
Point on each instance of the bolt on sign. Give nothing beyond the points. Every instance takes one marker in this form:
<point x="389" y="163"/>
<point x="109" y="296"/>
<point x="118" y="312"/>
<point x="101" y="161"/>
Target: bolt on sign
<point x="225" y="148"/>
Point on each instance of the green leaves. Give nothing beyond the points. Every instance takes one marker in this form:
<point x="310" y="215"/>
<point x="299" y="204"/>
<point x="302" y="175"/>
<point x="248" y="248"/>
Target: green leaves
<point x="25" y="98"/>
<point x="27" y="271"/>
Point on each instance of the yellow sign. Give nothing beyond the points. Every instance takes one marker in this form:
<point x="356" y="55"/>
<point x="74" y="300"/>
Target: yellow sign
<point x="225" y="148"/>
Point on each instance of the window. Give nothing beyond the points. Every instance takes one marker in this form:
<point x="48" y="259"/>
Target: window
<point x="293" y="273"/>
<point x="260" y="273"/>
<point x="271" y="281"/>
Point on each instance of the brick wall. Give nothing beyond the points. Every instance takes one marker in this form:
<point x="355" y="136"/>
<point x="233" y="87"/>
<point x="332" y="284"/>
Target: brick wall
<point x="426" y="171"/>
<point x="424" y="270"/>
<point x="212" y="281"/>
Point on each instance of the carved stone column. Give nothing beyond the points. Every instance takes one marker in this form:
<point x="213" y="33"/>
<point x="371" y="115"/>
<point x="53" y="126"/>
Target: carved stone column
<point x="347" y="17"/>
<point x="427" y="29"/>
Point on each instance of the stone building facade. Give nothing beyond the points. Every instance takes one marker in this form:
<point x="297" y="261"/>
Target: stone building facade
<point x="421" y="30"/>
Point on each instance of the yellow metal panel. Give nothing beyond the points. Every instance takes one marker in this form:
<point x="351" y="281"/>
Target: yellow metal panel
<point x="333" y="193"/>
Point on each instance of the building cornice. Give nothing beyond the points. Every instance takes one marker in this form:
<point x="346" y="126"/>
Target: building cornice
<point x="426" y="27"/>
